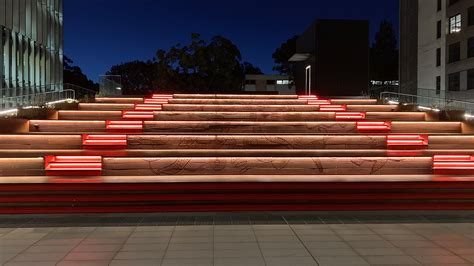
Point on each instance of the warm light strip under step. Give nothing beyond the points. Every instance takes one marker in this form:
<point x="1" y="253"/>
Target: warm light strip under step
<point x="307" y="97"/>
<point x="73" y="165"/>
<point x="333" y="108"/>
<point x="124" y="125"/>
<point x="162" y="96"/>
<point x="453" y="164"/>
<point x="141" y="115"/>
<point x="155" y="101"/>
<point x="373" y="126"/>
<point x="148" y="107"/>
<point x="104" y="140"/>
<point x="350" y="116"/>
<point x="319" y="102"/>
<point x="415" y="141"/>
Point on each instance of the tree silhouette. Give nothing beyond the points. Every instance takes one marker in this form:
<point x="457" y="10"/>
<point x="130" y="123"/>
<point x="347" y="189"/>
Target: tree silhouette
<point x="73" y="75"/>
<point x="282" y="54"/>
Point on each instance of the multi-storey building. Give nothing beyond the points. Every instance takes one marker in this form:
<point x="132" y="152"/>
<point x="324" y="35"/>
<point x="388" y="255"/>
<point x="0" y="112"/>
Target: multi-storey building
<point x="31" y="46"/>
<point x="437" y="48"/>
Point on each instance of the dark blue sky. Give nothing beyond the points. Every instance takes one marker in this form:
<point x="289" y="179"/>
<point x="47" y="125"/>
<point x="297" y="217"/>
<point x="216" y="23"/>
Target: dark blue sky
<point x="101" y="33"/>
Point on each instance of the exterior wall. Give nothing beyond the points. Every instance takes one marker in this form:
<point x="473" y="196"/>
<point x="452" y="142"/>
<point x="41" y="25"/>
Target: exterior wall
<point x="461" y="7"/>
<point x="258" y="83"/>
<point x="339" y="58"/>
<point x="31" y="46"/>
<point x="408" y="46"/>
<point x="428" y="43"/>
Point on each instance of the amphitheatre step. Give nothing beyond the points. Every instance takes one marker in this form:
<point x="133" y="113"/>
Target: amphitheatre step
<point x="108" y="194"/>
<point x="324" y="127"/>
<point x="234" y="108"/>
<point x="148" y="166"/>
<point x="239" y="101"/>
<point x="23" y="142"/>
<point x="240" y="116"/>
<point x="233" y="96"/>
<point x="13" y="153"/>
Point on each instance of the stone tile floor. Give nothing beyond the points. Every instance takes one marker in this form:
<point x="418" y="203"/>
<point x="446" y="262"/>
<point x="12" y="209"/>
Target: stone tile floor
<point x="418" y="242"/>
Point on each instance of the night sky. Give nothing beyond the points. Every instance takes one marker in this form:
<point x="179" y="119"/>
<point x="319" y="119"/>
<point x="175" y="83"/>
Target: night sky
<point x="102" y="33"/>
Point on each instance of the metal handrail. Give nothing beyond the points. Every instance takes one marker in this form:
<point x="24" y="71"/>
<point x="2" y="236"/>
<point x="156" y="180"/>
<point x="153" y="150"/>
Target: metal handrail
<point x="440" y="103"/>
<point x="36" y="99"/>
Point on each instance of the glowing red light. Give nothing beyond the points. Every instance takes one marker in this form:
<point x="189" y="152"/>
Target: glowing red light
<point x="307" y="97"/>
<point x="407" y="141"/>
<point x="453" y="164"/>
<point x="155" y="101"/>
<point x="333" y="108"/>
<point x="104" y="140"/>
<point x="148" y="107"/>
<point x="372" y="126"/>
<point x="73" y="165"/>
<point x="162" y="96"/>
<point x="143" y="115"/>
<point x="124" y="125"/>
<point x="319" y="102"/>
<point x="348" y="116"/>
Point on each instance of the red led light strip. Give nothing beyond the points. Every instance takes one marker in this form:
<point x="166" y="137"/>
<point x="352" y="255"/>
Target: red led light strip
<point x="370" y="126"/>
<point x="319" y="102"/>
<point x="348" y="116"/>
<point x="407" y="140"/>
<point x="307" y="97"/>
<point x="333" y="108"/>
<point x="104" y="140"/>
<point x="148" y="107"/>
<point x="73" y="165"/>
<point x="141" y="115"/>
<point x="453" y="164"/>
<point x="155" y="101"/>
<point x="162" y="96"/>
<point x="124" y="125"/>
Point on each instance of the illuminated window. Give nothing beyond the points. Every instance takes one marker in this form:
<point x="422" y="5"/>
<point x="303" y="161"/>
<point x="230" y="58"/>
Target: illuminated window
<point x="455" y="24"/>
<point x="283" y="82"/>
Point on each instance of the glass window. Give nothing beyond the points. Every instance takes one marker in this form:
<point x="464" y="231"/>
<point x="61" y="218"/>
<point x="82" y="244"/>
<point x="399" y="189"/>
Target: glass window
<point x="438" y="57"/>
<point x="250" y="82"/>
<point x="283" y="82"/>
<point x="470" y="16"/>
<point x="439" y="5"/>
<point x="454" y="81"/>
<point x="470" y="79"/>
<point x="438" y="29"/>
<point x="271" y="82"/>
<point x="454" y="52"/>
<point x="438" y="85"/>
<point x="455" y="24"/>
<point x="470" y="47"/>
<point x="452" y="2"/>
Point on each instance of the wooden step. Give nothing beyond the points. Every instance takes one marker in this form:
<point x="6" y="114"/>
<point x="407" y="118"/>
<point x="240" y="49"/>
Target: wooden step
<point x="235" y="108"/>
<point x="206" y="152"/>
<point x="233" y="96"/>
<point x="25" y="142"/>
<point x="240" y="116"/>
<point x="244" y="127"/>
<point x="268" y="101"/>
<point x="244" y="193"/>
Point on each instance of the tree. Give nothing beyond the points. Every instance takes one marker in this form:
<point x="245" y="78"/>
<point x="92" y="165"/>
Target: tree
<point x="73" y="75"/>
<point x="283" y="54"/>
<point x="205" y="67"/>
<point x="138" y="77"/>
<point x="384" y="54"/>
<point x="250" y="69"/>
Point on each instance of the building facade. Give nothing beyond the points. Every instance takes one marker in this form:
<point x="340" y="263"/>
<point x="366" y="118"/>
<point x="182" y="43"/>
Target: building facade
<point x="332" y="58"/>
<point x="31" y="46"/>
<point x="437" y="48"/>
<point x="277" y="84"/>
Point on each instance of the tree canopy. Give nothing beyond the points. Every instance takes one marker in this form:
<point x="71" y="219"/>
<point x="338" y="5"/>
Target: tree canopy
<point x="201" y="66"/>
<point x="283" y="54"/>
<point x="73" y="75"/>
